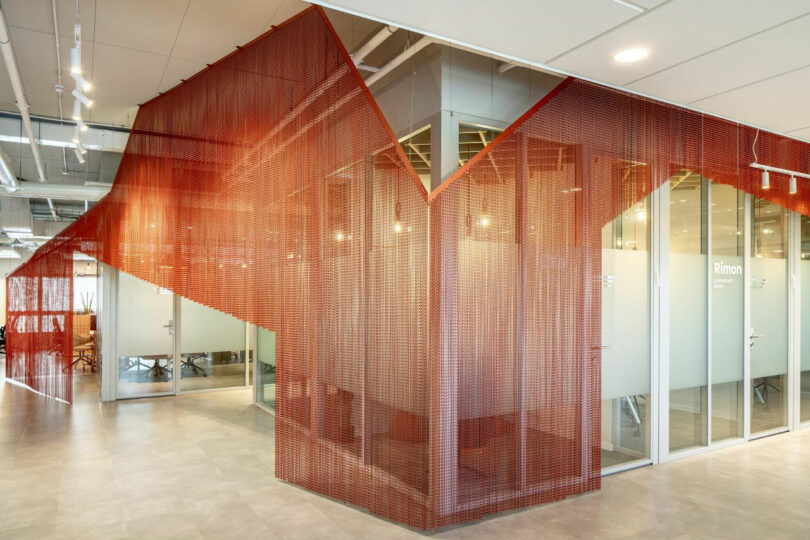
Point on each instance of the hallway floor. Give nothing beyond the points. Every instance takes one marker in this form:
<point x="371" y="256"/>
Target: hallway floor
<point x="201" y="466"/>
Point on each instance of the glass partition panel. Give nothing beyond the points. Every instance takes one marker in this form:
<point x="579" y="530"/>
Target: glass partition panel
<point x="688" y="317"/>
<point x="727" y="313"/>
<point x="805" y="321"/>
<point x="212" y="348"/>
<point x="145" y="337"/>
<point x="626" y="337"/>
<point x="769" y="316"/>
<point x="266" y="367"/>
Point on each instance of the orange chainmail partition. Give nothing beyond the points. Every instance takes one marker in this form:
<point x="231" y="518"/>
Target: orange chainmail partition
<point x="39" y="322"/>
<point x="270" y="187"/>
<point x="516" y="280"/>
<point x="436" y="362"/>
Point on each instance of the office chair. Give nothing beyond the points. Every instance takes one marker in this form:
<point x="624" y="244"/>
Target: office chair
<point x="761" y="389"/>
<point x="189" y="362"/>
<point x="3" y="339"/>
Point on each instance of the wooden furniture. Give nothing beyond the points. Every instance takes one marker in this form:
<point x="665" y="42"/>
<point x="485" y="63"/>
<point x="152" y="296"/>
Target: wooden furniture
<point x="84" y="342"/>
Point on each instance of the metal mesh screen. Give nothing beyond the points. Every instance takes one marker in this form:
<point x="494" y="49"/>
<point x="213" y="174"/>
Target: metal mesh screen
<point x="39" y="323"/>
<point x="436" y="362"/>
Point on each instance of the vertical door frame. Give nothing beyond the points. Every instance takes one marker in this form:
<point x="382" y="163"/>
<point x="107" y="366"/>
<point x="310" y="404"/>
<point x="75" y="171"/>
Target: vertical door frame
<point x="662" y="220"/>
<point x="115" y="319"/>
<point x="747" y="242"/>
<point x="654" y="283"/>
<point x="789" y="286"/>
<point x="794" y="320"/>
<point x="661" y="239"/>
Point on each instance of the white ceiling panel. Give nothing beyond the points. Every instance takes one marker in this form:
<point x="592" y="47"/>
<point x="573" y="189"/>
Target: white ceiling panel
<point x="674" y="32"/>
<point x="37" y="15"/>
<point x="802" y="133"/>
<point x="697" y="48"/>
<point x="763" y="55"/>
<point x="519" y="28"/>
<point x="36" y="48"/>
<point x="286" y="10"/>
<point x="146" y="25"/>
<point x="114" y="85"/>
<point x="213" y="28"/>
<point x="178" y="69"/>
<point x="779" y="102"/>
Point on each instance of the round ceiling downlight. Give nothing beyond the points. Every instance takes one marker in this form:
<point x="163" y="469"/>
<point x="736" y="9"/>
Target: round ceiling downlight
<point x="628" y="56"/>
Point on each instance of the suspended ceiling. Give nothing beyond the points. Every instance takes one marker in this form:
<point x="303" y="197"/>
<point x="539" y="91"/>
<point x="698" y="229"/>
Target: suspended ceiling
<point x="748" y="60"/>
<point x="133" y="49"/>
<point x="744" y="59"/>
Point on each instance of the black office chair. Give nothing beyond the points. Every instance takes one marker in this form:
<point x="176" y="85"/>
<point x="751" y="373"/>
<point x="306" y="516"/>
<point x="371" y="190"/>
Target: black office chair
<point x="3" y="339"/>
<point x="188" y="361"/>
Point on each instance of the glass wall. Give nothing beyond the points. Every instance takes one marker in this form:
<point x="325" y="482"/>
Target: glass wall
<point x="212" y="348"/>
<point x="626" y="411"/>
<point x="688" y="317"/>
<point x="145" y="338"/>
<point x="266" y="368"/>
<point x="769" y="316"/>
<point x="804" y="272"/>
<point x="727" y="213"/>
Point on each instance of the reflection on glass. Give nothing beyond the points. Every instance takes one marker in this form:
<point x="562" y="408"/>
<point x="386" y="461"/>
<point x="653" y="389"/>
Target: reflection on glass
<point x="769" y="316"/>
<point x="626" y="337"/>
<point x="212" y="348"/>
<point x="688" y="300"/>
<point x="805" y="318"/>
<point x="727" y="316"/>
<point x="145" y="337"/>
<point x="266" y="368"/>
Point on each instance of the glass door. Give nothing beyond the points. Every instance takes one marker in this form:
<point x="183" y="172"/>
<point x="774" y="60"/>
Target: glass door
<point x="265" y="353"/>
<point x="212" y="348"/>
<point x="154" y="325"/>
<point x="688" y="372"/>
<point x="704" y="380"/>
<point x="768" y="336"/>
<point x="804" y="329"/>
<point x="727" y="300"/>
<point x="626" y="347"/>
<point x="145" y="344"/>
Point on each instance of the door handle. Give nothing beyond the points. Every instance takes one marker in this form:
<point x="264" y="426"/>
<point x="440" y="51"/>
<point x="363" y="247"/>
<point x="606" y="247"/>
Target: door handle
<point x="170" y="326"/>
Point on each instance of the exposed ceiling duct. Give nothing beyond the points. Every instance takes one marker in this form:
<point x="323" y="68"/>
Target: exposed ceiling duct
<point x="19" y="95"/>
<point x="375" y="41"/>
<point x="7" y="176"/>
<point x="62" y="192"/>
<point x="16" y="216"/>
<point x="399" y="59"/>
<point x="503" y="67"/>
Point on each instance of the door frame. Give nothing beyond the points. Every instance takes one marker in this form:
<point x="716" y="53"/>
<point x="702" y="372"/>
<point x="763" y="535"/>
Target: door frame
<point x="176" y="352"/>
<point x="661" y="313"/>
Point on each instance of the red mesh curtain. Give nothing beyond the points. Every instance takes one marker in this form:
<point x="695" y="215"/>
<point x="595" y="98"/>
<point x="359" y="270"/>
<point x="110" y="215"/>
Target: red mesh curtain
<point x="516" y="284"/>
<point x="39" y="322"/>
<point x="270" y="187"/>
<point x="435" y="362"/>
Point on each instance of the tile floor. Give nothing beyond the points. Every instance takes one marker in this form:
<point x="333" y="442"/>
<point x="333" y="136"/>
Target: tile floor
<point x="201" y="466"/>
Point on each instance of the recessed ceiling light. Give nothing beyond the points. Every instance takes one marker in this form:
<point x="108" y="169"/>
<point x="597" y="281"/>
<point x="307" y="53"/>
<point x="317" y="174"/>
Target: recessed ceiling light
<point x="630" y="55"/>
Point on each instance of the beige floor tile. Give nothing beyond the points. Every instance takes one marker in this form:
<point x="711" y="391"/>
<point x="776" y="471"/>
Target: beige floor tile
<point x="201" y="466"/>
